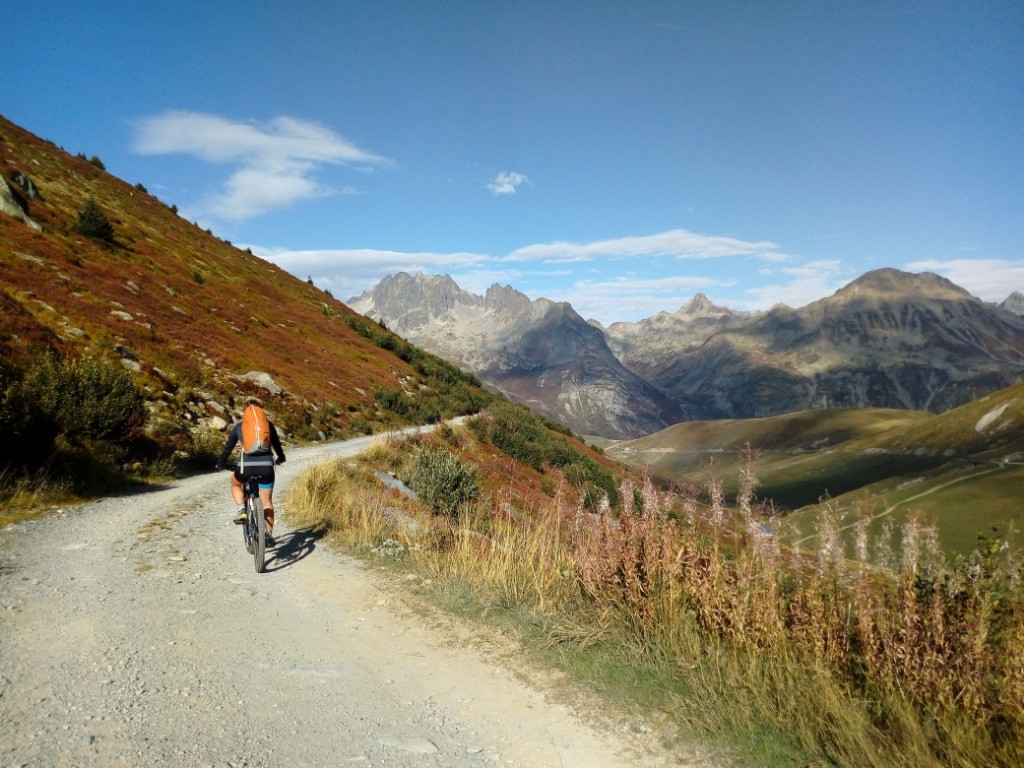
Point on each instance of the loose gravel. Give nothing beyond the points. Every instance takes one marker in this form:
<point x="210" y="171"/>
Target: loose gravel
<point x="134" y="631"/>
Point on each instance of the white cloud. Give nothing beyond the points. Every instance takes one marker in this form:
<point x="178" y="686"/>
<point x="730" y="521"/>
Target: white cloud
<point x="347" y="273"/>
<point x="682" y="284"/>
<point x="506" y="183"/>
<point x="632" y="299"/>
<point x="988" y="279"/>
<point x="677" y="243"/>
<point x="275" y="162"/>
<point x="802" y="285"/>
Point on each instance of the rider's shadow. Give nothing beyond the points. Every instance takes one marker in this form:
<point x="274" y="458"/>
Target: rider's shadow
<point x="293" y="546"/>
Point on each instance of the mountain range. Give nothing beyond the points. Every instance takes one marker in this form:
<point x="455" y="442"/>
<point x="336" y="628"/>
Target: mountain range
<point x="889" y="339"/>
<point x="538" y="352"/>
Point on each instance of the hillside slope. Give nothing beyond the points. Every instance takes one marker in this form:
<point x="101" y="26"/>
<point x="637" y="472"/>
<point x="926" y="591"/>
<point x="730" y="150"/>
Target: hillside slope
<point x="199" y="322"/>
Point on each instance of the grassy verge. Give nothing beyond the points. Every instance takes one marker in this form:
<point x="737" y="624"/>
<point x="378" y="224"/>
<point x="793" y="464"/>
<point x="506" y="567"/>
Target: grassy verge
<point x="885" y="656"/>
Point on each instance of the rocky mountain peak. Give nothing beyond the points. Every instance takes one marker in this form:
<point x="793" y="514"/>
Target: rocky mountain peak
<point x="896" y="283"/>
<point x="405" y="301"/>
<point x="1014" y="303"/>
<point x="701" y="306"/>
<point x="505" y="298"/>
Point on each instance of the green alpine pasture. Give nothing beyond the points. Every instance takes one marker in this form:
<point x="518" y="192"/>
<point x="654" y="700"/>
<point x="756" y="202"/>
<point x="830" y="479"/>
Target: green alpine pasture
<point x="961" y="471"/>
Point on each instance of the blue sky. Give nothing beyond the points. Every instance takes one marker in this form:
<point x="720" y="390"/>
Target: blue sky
<point x="620" y="156"/>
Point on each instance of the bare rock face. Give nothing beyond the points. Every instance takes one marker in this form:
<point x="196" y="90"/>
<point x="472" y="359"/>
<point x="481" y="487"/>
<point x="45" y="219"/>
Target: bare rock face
<point x="538" y="352"/>
<point x="1014" y="303"/>
<point x="10" y="205"/>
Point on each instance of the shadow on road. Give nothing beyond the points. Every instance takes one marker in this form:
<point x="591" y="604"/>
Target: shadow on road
<point x="293" y="546"/>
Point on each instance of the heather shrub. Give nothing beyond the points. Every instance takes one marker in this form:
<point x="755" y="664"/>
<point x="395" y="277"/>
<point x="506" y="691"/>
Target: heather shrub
<point x="86" y="398"/>
<point x="442" y="480"/>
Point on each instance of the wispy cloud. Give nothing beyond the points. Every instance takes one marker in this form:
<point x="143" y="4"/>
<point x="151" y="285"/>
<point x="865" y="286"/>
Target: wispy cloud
<point x="347" y="273"/>
<point x="633" y="298"/>
<point x="988" y="279"/>
<point x="275" y="162"/>
<point x="506" y="183"/>
<point x="678" y="243"/>
<point x="799" y="285"/>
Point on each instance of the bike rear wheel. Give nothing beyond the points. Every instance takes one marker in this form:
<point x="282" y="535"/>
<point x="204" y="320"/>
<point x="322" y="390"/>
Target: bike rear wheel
<point x="259" y="543"/>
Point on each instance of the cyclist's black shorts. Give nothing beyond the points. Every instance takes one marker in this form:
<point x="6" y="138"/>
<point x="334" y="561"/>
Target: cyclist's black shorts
<point x="264" y="476"/>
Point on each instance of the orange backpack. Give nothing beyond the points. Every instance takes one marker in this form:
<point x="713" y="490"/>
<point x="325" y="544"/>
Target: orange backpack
<point x="255" y="430"/>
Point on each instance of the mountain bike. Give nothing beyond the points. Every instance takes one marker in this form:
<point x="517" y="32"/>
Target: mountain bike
<point x="254" y="530"/>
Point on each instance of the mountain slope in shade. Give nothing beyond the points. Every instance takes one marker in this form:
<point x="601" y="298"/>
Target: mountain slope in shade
<point x="889" y="339"/>
<point x="540" y="352"/>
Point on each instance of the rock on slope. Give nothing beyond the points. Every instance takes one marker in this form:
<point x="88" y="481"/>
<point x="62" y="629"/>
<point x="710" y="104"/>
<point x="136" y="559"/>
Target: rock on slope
<point x="540" y="352"/>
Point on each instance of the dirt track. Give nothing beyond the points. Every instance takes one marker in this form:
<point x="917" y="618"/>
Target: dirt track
<point x="135" y="631"/>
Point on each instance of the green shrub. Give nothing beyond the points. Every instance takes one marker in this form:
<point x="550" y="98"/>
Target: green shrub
<point x="442" y="480"/>
<point x="87" y="398"/>
<point x="30" y="431"/>
<point x="481" y="427"/>
<point x="533" y="440"/>
<point x="93" y="222"/>
<point x="205" y="447"/>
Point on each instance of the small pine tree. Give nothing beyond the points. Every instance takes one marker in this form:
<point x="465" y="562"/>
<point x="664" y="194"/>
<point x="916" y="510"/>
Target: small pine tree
<point x="93" y="222"/>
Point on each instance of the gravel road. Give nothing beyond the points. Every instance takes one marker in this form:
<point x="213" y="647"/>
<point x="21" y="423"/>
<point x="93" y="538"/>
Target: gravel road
<point x="135" y="631"/>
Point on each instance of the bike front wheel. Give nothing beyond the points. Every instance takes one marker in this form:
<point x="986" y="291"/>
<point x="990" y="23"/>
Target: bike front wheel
<point x="248" y="529"/>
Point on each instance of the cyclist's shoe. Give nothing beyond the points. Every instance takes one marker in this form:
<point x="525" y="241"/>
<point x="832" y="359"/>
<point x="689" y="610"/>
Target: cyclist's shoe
<point x="241" y="517"/>
<point x="271" y="542"/>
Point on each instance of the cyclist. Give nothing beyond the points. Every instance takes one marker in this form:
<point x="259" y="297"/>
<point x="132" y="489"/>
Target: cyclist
<point x="258" y="463"/>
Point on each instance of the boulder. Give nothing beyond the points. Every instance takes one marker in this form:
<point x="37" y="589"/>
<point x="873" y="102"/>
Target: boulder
<point x="262" y="379"/>
<point x="27" y="185"/>
<point x="125" y="353"/>
<point x="216" y="423"/>
<point x="10" y="205"/>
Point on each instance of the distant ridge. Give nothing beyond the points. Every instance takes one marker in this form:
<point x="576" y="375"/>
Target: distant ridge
<point x="538" y="352"/>
<point x="1014" y="303"/>
<point x="889" y="339"/>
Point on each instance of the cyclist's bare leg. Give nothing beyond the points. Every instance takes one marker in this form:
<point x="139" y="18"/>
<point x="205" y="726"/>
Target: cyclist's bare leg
<point x="236" y="490"/>
<point x="267" y="497"/>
